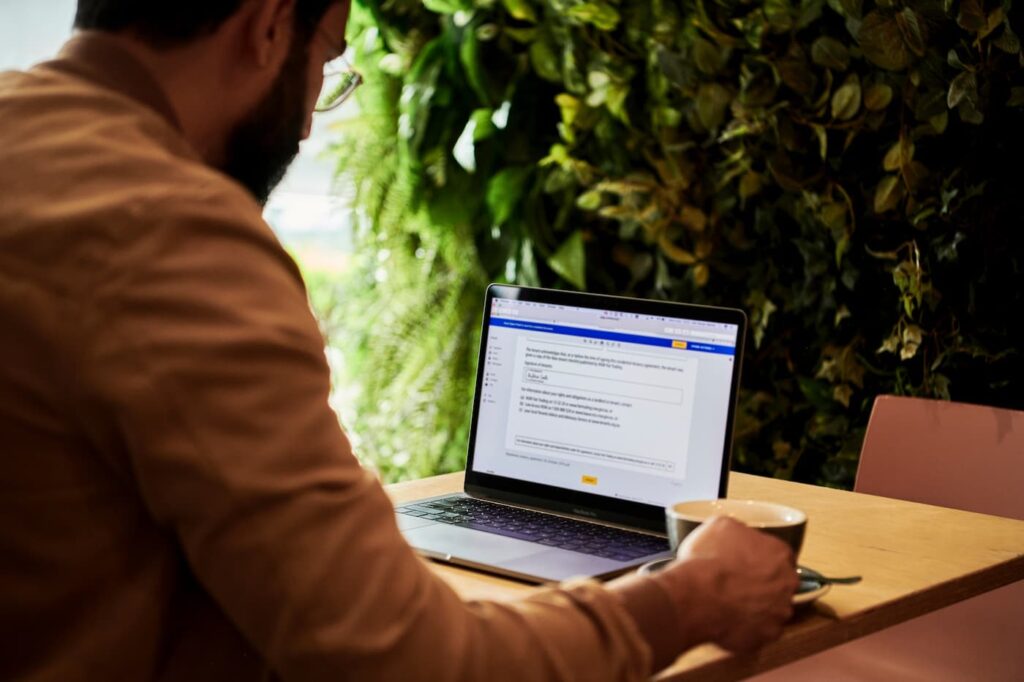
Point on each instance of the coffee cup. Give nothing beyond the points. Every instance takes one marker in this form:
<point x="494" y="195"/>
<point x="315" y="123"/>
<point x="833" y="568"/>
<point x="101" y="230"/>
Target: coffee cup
<point x="786" y="523"/>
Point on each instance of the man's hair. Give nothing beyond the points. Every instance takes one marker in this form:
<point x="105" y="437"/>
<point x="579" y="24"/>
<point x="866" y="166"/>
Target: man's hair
<point x="166" y="23"/>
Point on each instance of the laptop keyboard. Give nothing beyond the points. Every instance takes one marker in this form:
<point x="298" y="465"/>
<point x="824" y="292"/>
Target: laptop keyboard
<point x="544" y="529"/>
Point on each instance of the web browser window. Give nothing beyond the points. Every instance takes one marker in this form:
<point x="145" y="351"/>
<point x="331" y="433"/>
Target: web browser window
<point x="625" y="405"/>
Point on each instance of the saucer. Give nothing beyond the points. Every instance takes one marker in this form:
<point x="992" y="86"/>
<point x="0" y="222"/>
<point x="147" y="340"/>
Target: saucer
<point x="810" y="588"/>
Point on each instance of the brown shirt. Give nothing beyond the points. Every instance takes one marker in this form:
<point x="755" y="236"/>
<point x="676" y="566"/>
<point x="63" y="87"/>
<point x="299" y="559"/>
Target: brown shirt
<point x="177" y="499"/>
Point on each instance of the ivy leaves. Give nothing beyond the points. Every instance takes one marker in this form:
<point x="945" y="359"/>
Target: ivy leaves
<point x="847" y="99"/>
<point x="803" y="158"/>
<point x="830" y="53"/>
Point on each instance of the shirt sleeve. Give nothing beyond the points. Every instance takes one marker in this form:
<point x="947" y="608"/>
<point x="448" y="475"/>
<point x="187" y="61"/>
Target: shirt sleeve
<point x="206" y="352"/>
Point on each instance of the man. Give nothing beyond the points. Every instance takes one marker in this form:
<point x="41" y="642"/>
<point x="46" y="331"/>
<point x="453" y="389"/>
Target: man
<point x="177" y="500"/>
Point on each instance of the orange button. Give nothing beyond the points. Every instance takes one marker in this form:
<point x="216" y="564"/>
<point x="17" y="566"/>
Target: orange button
<point x="590" y="480"/>
<point x="679" y="344"/>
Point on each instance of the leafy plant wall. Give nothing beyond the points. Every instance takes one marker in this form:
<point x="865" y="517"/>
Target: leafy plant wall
<point x="847" y="171"/>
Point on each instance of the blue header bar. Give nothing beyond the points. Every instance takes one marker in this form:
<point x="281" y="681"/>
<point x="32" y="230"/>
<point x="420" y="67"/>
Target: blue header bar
<point x="612" y="336"/>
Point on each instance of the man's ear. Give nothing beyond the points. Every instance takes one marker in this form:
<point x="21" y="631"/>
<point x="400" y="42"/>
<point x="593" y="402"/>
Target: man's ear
<point x="269" y="31"/>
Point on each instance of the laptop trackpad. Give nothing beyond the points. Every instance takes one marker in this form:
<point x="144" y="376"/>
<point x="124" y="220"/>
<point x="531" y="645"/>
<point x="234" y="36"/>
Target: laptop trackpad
<point x="471" y="545"/>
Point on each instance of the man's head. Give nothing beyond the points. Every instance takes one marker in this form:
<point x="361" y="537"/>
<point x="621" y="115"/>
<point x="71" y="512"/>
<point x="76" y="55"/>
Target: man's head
<point x="244" y="75"/>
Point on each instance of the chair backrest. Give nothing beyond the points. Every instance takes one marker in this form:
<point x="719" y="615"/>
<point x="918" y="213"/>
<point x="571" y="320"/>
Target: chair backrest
<point x="956" y="455"/>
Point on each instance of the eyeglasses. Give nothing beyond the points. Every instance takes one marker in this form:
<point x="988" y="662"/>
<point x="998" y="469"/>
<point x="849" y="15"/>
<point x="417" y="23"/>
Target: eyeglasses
<point x="340" y="81"/>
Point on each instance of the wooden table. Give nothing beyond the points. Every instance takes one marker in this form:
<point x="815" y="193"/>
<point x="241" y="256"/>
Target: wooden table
<point x="915" y="558"/>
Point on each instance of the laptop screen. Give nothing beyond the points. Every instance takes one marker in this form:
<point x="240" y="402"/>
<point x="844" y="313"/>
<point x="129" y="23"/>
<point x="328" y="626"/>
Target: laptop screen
<point x="619" y="404"/>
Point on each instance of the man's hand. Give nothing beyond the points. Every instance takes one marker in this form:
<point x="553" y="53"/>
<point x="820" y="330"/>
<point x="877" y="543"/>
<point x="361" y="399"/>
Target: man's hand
<point x="732" y="585"/>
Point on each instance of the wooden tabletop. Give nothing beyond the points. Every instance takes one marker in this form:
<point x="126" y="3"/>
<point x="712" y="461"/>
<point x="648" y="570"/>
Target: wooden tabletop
<point x="915" y="558"/>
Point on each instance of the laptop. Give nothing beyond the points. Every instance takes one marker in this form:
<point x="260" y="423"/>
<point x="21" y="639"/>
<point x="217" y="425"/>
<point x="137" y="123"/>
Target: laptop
<point x="591" y="415"/>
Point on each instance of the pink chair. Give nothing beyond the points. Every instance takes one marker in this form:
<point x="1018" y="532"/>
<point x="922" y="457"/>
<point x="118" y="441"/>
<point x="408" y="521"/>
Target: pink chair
<point x="952" y="455"/>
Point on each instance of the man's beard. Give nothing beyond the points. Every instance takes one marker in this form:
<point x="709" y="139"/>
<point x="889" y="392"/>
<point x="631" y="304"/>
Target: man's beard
<point x="266" y="141"/>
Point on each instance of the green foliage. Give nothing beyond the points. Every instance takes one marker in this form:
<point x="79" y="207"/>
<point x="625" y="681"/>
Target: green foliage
<point x="847" y="171"/>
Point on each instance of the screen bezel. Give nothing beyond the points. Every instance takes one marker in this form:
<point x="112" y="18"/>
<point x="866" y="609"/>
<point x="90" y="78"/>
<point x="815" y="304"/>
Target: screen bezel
<point x="575" y="502"/>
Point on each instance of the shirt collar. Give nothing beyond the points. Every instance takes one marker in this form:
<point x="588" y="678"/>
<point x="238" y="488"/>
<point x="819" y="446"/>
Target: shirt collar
<point x="100" y="59"/>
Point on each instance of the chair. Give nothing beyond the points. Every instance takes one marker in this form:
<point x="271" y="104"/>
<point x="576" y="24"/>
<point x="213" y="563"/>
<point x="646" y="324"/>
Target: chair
<point x="952" y="455"/>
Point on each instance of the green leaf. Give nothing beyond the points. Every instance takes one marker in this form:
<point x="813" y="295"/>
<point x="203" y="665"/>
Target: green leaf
<point x="890" y="345"/>
<point x="667" y="117"/>
<point x="504" y="192"/>
<point x="488" y="32"/>
<point x="569" y="107"/>
<point x="693" y="218"/>
<point x="1008" y="41"/>
<point x="833" y="215"/>
<point x="477" y="129"/>
<point x="888" y="194"/>
<point x="750" y="184"/>
<point x="972" y="15"/>
<point x="615" y="100"/>
<point x="521" y="35"/>
<point x="754" y="26"/>
<point x="521" y="10"/>
<point x="557" y="155"/>
<point x="809" y="12"/>
<point x="589" y="201"/>
<point x="850" y="9"/>
<point x="447" y="6"/>
<point x="992" y="22"/>
<point x="483" y="125"/>
<point x="969" y="113"/>
<point x="912" y="30"/>
<point x="830" y="53"/>
<point x="707" y="57"/>
<point x="822" y="135"/>
<point x="877" y="97"/>
<point x="570" y="261"/>
<point x="572" y="71"/>
<point x="598" y="14"/>
<point x="469" y="55"/>
<point x="846" y="100"/>
<point x="939" y="122"/>
<point x="423" y="67"/>
<point x="761" y="310"/>
<point x="892" y="159"/>
<point x="676" y="253"/>
<point x="779" y="14"/>
<point x="796" y="72"/>
<point x="701" y="275"/>
<point x="712" y="101"/>
<point x="953" y="59"/>
<point x="1016" y="97"/>
<point x="545" y="61"/>
<point x="598" y="79"/>
<point x="912" y="338"/>
<point x="963" y="87"/>
<point x="882" y="42"/>
<point x="899" y="155"/>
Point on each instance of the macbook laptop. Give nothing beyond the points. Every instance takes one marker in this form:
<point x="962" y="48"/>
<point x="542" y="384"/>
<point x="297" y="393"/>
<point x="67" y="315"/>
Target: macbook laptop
<point x="591" y="414"/>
